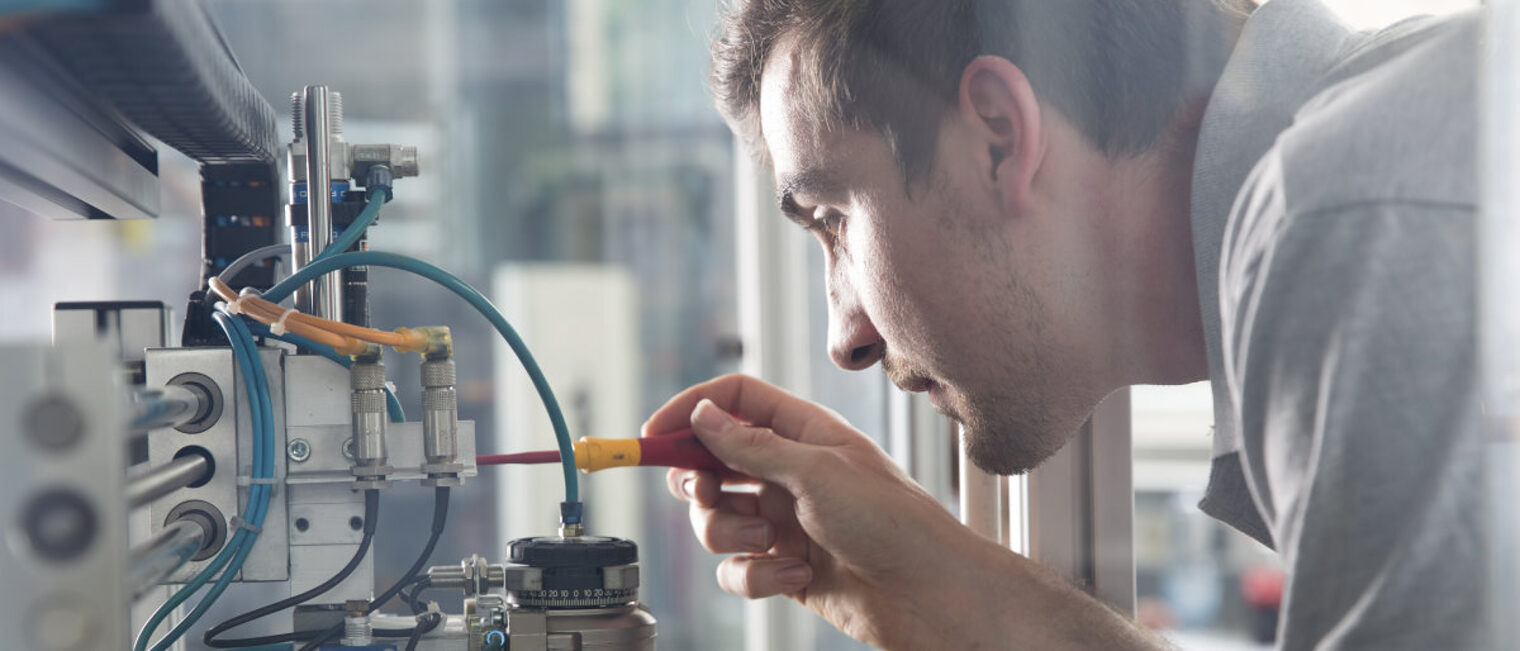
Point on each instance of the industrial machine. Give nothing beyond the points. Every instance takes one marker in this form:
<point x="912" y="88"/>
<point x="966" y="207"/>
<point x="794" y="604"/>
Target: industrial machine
<point x="270" y="430"/>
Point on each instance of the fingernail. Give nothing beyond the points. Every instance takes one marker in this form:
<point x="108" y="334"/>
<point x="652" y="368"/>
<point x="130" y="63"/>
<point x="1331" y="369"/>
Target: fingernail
<point x="757" y="537"/>
<point x="795" y="576"/>
<point x="709" y="417"/>
<point x="688" y="487"/>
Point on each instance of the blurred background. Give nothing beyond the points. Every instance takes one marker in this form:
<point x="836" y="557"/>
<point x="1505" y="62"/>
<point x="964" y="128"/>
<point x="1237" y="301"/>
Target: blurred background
<point x="573" y="164"/>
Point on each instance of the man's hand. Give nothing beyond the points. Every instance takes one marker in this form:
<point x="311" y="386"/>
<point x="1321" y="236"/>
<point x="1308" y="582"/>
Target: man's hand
<point x="831" y="522"/>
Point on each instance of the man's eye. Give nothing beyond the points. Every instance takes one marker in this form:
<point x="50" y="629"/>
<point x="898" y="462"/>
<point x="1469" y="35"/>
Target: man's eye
<point x="831" y="224"/>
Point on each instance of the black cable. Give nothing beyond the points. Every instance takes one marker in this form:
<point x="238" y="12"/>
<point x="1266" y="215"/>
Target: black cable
<point x="440" y="516"/>
<point x="422" y="583"/>
<point x="425" y="624"/>
<point x="371" y="515"/>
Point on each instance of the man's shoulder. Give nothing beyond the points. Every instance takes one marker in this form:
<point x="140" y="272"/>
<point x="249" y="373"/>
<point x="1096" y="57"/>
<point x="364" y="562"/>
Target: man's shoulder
<point x="1395" y="121"/>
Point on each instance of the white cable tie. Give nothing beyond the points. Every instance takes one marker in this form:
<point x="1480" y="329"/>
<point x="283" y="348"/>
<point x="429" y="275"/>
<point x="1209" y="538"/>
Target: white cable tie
<point x="233" y="307"/>
<point x="237" y="522"/>
<point x="278" y="327"/>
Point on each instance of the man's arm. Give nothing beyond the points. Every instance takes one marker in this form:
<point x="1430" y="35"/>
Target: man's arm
<point x="1352" y="359"/>
<point x="834" y="524"/>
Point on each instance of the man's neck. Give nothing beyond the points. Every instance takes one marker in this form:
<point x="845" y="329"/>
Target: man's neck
<point x="1156" y="285"/>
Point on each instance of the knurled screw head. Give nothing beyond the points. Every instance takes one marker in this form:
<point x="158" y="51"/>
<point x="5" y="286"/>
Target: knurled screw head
<point x="298" y="450"/>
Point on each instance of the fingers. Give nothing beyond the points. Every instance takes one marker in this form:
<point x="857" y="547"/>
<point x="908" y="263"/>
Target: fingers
<point x="733" y="526"/>
<point x="695" y="486"/>
<point x="757" y="576"/>
<point x="754" y="451"/>
<point x="755" y="402"/>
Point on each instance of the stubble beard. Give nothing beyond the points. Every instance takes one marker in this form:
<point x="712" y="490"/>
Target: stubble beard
<point x="1010" y="403"/>
<point x="1007" y="411"/>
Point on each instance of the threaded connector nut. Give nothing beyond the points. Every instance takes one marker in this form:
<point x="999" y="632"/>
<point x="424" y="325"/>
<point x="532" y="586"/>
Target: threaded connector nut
<point x="438" y="373"/>
<point x="367" y="377"/>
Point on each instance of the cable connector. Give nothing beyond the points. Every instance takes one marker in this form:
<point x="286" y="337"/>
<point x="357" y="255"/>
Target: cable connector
<point x="379" y="177"/>
<point x="570" y="525"/>
<point x="432" y="342"/>
<point x="370" y="354"/>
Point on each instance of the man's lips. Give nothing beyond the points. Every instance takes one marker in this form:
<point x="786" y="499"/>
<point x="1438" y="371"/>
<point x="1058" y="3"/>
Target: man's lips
<point x="917" y="385"/>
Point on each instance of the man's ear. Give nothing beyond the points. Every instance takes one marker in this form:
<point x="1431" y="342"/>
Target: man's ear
<point x="999" y="104"/>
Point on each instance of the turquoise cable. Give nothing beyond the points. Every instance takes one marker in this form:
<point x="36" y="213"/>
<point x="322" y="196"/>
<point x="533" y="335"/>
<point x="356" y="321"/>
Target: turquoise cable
<point x="354" y="231"/>
<point x="258" y="496"/>
<point x="184" y="593"/>
<point x="263" y="467"/>
<point x="545" y="393"/>
<point x="223" y="558"/>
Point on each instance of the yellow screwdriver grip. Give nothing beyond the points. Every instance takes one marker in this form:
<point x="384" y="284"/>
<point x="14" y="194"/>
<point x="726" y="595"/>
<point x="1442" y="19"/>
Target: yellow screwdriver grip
<point x="593" y="454"/>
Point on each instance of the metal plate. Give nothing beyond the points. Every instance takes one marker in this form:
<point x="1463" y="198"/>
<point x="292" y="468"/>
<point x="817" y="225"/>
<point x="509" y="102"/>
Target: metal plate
<point x="230" y="442"/>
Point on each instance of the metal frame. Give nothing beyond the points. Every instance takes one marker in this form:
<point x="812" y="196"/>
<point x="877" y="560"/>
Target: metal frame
<point x="1078" y="508"/>
<point x="773" y="324"/>
<point x="1499" y="314"/>
<point x="61" y="155"/>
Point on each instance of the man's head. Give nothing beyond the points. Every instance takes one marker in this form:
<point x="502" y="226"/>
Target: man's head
<point x="1000" y="188"/>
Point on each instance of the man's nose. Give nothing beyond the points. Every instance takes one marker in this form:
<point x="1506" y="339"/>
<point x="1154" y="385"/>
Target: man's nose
<point x="854" y="343"/>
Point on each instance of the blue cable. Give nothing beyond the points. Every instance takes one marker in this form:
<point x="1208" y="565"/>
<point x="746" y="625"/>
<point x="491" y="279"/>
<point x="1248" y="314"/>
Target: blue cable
<point x="392" y="403"/>
<point x="256" y="384"/>
<point x="570" y="511"/>
<point x="263" y="467"/>
<point x="356" y="230"/>
<point x="222" y="559"/>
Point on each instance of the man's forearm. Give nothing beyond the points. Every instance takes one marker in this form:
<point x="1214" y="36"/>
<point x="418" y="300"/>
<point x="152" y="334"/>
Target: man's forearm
<point x="997" y="599"/>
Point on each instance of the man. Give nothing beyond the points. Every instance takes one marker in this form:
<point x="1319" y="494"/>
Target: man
<point x="1026" y="205"/>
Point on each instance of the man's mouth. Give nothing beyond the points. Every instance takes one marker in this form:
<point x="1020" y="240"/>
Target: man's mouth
<point x="916" y="384"/>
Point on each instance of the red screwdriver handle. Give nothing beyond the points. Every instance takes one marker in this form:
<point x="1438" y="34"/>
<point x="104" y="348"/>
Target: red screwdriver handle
<point x="679" y="449"/>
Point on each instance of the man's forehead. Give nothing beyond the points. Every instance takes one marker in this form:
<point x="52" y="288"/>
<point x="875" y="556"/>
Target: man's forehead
<point x="793" y="135"/>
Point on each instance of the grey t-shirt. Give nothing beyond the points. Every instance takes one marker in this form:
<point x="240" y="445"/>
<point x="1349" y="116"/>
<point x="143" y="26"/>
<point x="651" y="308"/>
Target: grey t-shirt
<point x="1334" y="220"/>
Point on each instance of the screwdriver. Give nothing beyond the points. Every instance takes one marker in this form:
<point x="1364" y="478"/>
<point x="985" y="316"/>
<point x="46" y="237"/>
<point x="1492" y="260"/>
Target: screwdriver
<point x="679" y="449"/>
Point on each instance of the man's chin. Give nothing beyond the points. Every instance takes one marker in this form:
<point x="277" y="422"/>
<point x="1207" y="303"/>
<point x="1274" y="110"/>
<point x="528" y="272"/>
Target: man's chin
<point x="1006" y="453"/>
<point x="1001" y="464"/>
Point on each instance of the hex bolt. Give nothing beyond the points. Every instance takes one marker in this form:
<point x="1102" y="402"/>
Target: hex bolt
<point x="298" y="450"/>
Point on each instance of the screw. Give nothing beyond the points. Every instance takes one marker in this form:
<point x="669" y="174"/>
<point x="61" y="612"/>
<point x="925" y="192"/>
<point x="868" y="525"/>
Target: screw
<point x="348" y="449"/>
<point x="298" y="450"/>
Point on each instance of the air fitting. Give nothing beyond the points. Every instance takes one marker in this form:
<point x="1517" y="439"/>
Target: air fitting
<point x="367" y="380"/>
<point x="440" y="421"/>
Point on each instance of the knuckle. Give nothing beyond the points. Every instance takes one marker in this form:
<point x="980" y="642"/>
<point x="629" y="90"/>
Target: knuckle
<point x="673" y="481"/>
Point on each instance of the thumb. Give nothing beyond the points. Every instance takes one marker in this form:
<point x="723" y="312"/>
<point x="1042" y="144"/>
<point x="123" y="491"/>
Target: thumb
<point x="755" y="451"/>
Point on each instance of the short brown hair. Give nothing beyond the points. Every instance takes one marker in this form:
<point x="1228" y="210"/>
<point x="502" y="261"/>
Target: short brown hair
<point x="1119" y="69"/>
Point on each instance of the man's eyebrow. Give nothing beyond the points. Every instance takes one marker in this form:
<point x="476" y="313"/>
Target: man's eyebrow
<point x="813" y="183"/>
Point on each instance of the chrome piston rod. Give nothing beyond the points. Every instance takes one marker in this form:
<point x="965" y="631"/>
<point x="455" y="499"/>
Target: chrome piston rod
<point x="159" y="556"/>
<point x="165" y="479"/>
<point x="167" y="406"/>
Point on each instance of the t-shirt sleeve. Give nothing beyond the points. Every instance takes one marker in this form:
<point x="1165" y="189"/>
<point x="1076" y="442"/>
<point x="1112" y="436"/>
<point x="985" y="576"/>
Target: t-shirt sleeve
<point x="1350" y="352"/>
